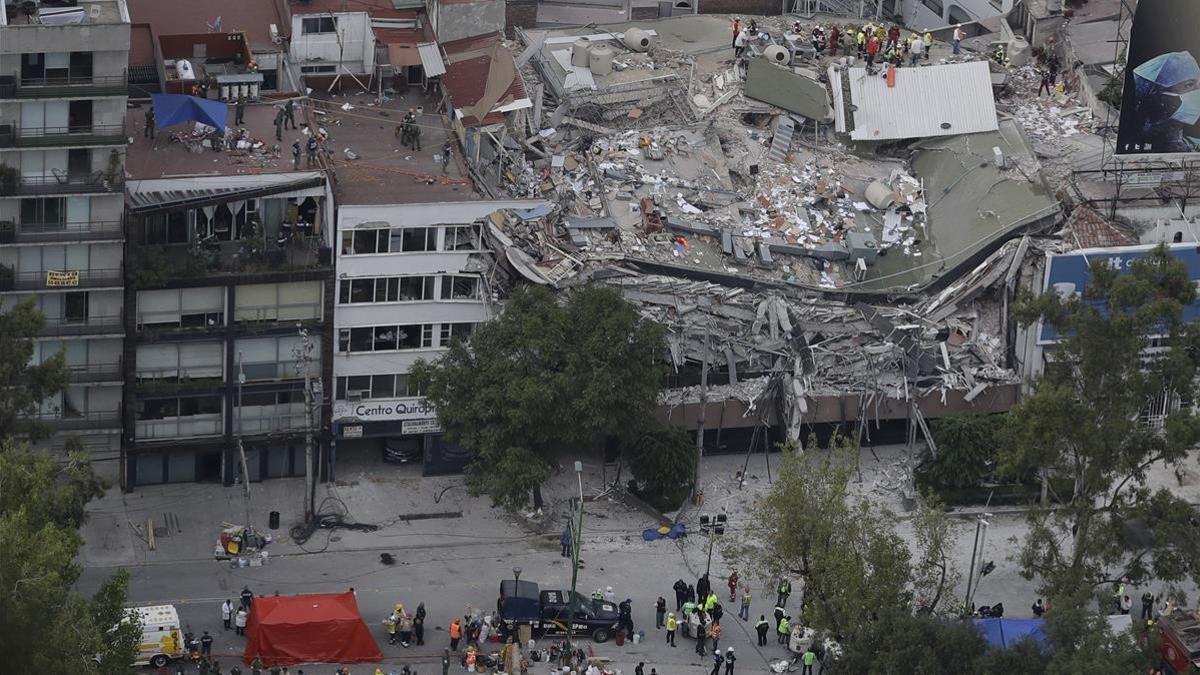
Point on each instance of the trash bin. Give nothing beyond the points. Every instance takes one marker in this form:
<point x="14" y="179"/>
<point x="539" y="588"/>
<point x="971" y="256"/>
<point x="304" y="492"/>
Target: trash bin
<point x="620" y="637"/>
<point x="273" y="520"/>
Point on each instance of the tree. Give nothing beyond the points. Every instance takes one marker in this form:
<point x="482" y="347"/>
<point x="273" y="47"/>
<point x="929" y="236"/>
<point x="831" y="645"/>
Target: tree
<point x="1086" y="422"/>
<point x="899" y="643"/>
<point x="845" y="551"/>
<point x="966" y="454"/>
<point x="663" y="462"/>
<point x="23" y="386"/>
<point x="544" y="378"/>
<point x="47" y="627"/>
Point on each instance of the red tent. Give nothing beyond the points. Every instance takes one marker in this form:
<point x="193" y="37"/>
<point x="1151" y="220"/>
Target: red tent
<point x="319" y="628"/>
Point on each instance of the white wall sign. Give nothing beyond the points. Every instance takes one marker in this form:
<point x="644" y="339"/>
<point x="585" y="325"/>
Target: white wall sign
<point x="429" y="426"/>
<point x="385" y="409"/>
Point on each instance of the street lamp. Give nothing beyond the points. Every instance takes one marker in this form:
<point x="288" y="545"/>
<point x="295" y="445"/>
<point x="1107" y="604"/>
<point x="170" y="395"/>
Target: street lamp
<point x="712" y="528"/>
<point x="981" y="527"/>
<point x="576" y="542"/>
<point x="517" y="575"/>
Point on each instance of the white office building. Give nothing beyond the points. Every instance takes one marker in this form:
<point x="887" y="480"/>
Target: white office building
<point x="410" y="279"/>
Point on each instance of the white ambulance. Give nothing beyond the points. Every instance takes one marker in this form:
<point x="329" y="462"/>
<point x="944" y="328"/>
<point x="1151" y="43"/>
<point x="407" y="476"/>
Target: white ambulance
<point x="162" y="639"/>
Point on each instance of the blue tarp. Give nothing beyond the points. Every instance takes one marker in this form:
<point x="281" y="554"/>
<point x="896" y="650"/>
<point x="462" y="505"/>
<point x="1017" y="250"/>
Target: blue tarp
<point x="677" y="530"/>
<point x="172" y="109"/>
<point x="1070" y="272"/>
<point x="1004" y="633"/>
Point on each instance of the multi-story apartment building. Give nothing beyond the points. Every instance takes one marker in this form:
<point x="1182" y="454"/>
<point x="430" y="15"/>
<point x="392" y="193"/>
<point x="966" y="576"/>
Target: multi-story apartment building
<point x="411" y="278"/>
<point x="62" y="155"/>
<point x="228" y="304"/>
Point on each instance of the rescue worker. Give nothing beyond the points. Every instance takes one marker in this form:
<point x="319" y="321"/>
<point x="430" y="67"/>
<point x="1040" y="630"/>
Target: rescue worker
<point x="289" y="113"/>
<point x="418" y="624"/>
<point x="389" y="624"/>
<point x="718" y="661"/>
<point x="714" y="634"/>
<point x="296" y="156"/>
<point x="744" y="611"/>
<point x="927" y="42"/>
<point x="239" y="111"/>
<point x="148" y="132"/>
<point x="227" y="613"/>
<point x="733" y="585"/>
<point x="680" y="589"/>
<point x="671" y="625"/>
<point x="729" y="659"/>
<point x="279" y="126"/>
<point x="785" y="589"/>
<point x="701" y="638"/>
<point x="762" y="627"/>
<point x="455" y="633"/>
<point x="660" y="611"/>
<point x="784" y="629"/>
<point x="810" y="659"/>
<point x="206" y="641"/>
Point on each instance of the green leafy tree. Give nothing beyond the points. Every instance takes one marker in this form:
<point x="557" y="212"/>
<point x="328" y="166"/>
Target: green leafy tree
<point x="966" y="451"/>
<point x="850" y="561"/>
<point x="1085" y="422"/>
<point x="663" y="462"/>
<point x="23" y="386"/>
<point x="899" y="643"/>
<point x="47" y="627"/>
<point x="542" y="379"/>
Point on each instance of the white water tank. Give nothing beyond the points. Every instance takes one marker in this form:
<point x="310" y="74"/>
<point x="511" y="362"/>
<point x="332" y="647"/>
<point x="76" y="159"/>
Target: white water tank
<point x="601" y="60"/>
<point x="637" y="39"/>
<point x="777" y="54"/>
<point x="579" y="53"/>
<point x="1018" y="51"/>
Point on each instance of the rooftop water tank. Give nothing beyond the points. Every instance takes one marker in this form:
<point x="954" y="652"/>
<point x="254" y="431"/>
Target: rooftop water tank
<point x="777" y="54"/>
<point x="601" y="61"/>
<point x="579" y="53"/>
<point x="637" y="39"/>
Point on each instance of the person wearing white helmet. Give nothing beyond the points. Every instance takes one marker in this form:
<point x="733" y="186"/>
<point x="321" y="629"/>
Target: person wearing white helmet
<point x="729" y="659"/>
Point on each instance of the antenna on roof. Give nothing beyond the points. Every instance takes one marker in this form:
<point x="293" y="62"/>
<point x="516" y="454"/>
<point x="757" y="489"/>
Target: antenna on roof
<point x="215" y="26"/>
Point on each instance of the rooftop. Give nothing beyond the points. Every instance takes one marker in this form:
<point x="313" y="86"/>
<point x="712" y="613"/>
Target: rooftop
<point x="184" y="151"/>
<point x="378" y="9"/>
<point x="252" y="18"/>
<point x="369" y="162"/>
<point x="482" y="79"/>
<point x="64" y="13"/>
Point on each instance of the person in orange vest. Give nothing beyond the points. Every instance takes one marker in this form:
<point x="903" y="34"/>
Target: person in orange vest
<point x="714" y="633"/>
<point x="455" y="633"/>
<point x="737" y="28"/>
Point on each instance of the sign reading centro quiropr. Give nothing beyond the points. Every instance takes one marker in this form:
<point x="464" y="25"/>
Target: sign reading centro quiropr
<point x="384" y="409"/>
<point x="1160" y="105"/>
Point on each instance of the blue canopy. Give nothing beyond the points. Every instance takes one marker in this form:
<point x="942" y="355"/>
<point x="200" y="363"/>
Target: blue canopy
<point x="1004" y="633"/>
<point x="172" y="109"/>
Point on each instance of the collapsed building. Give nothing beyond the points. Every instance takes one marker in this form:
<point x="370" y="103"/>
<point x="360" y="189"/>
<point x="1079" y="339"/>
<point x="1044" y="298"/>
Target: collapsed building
<point x="826" y="244"/>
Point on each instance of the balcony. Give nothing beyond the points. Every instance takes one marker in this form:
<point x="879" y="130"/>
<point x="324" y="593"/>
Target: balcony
<point x="37" y="233"/>
<point x="77" y="86"/>
<point x="159" y="264"/>
<point x="79" y="421"/>
<point x="17" y="137"/>
<point x="54" y="280"/>
<point x="92" y="325"/>
<point x="95" y="372"/>
<point x="190" y="426"/>
<point x="60" y="184"/>
<point x="267" y="424"/>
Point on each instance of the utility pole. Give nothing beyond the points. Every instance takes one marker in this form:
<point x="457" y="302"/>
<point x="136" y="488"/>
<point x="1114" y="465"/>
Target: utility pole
<point x="576" y="543"/>
<point x="242" y="448"/>
<point x="700" y="418"/>
<point x="302" y="353"/>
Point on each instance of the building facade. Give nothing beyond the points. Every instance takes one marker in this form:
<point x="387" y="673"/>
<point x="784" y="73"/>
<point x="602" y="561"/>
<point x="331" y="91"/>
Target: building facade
<point x="411" y="278"/>
<point x="62" y="156"/>
<point x="228" y="296"/>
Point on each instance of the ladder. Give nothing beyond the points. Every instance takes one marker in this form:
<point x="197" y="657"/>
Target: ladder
<point x="781" y="143"/>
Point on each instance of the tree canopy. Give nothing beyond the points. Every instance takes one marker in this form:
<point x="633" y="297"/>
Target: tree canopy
<point x="47" y="627"/>
<point x="23" y="385"/>
<point x="1106" y="410"/>
<point x="545" y="378"/>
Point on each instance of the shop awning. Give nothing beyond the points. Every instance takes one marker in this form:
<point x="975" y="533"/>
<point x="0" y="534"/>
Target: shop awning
<point x="431" y="59"/>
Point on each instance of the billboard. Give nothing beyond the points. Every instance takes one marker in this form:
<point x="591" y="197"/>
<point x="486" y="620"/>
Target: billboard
<point x="1160" y="105"/>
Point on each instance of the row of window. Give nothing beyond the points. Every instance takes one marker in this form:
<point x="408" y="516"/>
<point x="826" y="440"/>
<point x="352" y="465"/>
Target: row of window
<point x="186" y="406"/>
<point x="408" y="289"/>
<point x="399" y="385"/>
<point x="411" y="239"/>
<point x="398" y="337"/>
